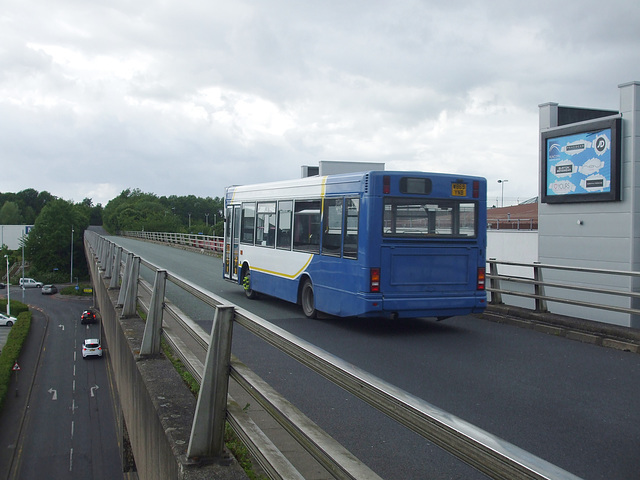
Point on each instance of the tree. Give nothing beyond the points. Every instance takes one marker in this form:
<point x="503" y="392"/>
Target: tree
<point x="48" y="245"/>
<point x="10" y="214"/>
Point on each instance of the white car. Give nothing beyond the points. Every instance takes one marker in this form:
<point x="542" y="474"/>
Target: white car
<point x="30" y="282"/>
<point x="91" y="347"/>
<point x="6" y="320"/>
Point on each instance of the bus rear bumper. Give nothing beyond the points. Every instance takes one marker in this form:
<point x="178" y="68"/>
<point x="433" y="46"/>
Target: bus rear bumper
<point x="411" y="307"/>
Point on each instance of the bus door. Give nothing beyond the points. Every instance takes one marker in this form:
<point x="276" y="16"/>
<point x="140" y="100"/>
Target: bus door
<point x="231" y="242"/>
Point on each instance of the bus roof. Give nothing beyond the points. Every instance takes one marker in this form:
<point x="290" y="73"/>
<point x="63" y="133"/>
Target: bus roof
<point x="316" y="185"/>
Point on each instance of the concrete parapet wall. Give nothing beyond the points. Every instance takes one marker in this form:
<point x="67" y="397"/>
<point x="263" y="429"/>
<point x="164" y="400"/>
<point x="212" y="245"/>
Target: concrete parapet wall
<point x="157" y="407"/>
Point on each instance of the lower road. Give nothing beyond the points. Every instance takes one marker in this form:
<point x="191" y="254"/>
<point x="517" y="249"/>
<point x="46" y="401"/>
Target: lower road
<point x="60" y="423"/>
<point x="573" y="404"/>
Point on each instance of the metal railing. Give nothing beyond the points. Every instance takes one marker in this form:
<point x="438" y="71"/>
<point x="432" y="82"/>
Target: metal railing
<point x="478" y="448"/>
<point x="203" y="242"/>
<point x="538" y="287"/>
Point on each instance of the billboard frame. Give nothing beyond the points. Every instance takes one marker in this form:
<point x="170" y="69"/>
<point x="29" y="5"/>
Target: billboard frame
<point x="552" y="155"/>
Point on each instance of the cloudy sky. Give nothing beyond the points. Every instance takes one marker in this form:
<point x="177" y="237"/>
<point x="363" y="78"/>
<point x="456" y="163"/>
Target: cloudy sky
<point x="179" y="98"/>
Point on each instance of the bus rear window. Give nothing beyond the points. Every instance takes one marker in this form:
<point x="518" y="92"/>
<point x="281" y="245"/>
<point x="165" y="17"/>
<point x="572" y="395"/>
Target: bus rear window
<point x="416" y="218"/>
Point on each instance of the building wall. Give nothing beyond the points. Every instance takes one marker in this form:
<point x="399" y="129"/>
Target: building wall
<point x="11" y="235"/>
<point x="596" y="234"/>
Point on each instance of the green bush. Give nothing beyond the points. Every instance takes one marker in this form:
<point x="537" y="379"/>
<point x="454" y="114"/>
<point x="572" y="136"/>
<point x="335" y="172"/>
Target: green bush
<point x="71" y="290"/>
<point x="16" y="307"/>
<point x="11" y="351"/>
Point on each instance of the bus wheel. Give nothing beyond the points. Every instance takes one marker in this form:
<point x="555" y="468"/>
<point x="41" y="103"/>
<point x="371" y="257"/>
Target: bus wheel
<point x="246" y="283"/>
<point x="307" y="300"/>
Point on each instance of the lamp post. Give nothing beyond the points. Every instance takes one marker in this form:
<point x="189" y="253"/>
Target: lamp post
<point x="8" y="288"/>
<point x="23" y="266"/>
<point x="502" y="182"/>
<point x="71" y="280"/>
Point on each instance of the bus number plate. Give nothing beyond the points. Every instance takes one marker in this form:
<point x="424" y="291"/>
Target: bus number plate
<point x="459" y="189"/>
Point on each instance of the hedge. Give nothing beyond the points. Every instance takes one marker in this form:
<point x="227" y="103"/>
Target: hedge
<point x="11" y="350"/>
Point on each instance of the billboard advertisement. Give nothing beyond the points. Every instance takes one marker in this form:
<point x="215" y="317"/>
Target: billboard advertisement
<point x="581" y="162"/>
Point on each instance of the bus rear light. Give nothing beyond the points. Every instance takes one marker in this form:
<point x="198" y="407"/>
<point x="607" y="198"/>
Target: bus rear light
<point x="386" y="184"/>
<point x="476" y="189"/>
<point x="481" y="278"/>
<point x="374" y="280"/>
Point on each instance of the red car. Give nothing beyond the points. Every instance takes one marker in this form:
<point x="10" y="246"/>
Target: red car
<point x="88" y="316"/>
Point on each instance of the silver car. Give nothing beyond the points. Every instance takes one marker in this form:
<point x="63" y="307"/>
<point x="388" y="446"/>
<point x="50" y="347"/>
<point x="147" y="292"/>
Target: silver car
<point x="49" y="289"/>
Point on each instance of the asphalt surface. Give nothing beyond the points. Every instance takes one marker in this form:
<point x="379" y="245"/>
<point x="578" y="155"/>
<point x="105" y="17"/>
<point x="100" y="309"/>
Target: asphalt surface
<point x="58" y="420"/>
<point x="573" y="404"/>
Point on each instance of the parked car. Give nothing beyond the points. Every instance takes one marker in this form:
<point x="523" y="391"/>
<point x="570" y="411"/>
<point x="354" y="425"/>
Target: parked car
<point x="29" y="283"/>
<point x="2" y="285"/>
<point x="7" y="320"/>
<point x="88" y="316"/>
<point x="49" y="289"/>
<point x="91" y="348"/>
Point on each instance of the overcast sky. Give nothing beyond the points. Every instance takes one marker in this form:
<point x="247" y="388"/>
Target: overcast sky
<point x="179" y="98"/>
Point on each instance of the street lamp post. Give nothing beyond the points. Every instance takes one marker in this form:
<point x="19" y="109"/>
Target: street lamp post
<point x="23" y="266"/>
<point x="71" y="280"/>
<point x="502" y="182"/>
<point x="8" y="288"/>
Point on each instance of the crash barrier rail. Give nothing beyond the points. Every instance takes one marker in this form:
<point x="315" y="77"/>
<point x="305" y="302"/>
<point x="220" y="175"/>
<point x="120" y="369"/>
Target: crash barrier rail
<point x="203" y="242"/>
<point x="478" y="448"/>
<point x="538" y="287"/>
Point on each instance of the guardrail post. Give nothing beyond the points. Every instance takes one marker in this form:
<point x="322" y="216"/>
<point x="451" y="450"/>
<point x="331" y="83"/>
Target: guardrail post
<point x="115" y="274"/>
<point x="496" y="297"/>
<point x="541" y="303"/>
<point x="125" y="280"/>
<point x="207" y="432"/>
<point x="131" y="292"/>
<point x="104" y="253"/>
<point x="108" y="267"/>
<point x="153" y="327"/>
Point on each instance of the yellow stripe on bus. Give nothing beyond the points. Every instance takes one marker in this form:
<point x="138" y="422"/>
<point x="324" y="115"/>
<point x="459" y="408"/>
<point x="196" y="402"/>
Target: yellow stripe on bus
<point x="280" y="274"/>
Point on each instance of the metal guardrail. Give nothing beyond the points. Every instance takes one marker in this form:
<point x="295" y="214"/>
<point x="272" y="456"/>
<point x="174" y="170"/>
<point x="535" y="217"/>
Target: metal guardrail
<point x="497" y="281"/>
<point x="476" y="447"/>
<point x="203" y="242"/>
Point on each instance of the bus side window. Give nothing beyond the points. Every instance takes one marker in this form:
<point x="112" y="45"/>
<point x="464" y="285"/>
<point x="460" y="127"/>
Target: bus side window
<point x="306" y="226"/>
<point x="285" y="212"/>
<point x="351" y="227"/>
<point x="248" y="222"/>
<point x="332" y="226"/>
<point x="266" y="224"/>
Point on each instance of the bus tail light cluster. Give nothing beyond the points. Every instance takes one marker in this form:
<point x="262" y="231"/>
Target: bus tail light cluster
<point x="481" y="278"/>
<point x="386" y="184"/>
<point x="476" y="189"/>
<point x="374" y="280"/>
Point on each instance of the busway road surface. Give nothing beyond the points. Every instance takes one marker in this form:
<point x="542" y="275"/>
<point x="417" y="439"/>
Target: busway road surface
<point x="61" y="424"/>
<point x="573" y="404"/>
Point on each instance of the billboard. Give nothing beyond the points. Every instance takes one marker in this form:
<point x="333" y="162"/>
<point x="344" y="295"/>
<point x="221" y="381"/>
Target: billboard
<point x="581" y="162"/>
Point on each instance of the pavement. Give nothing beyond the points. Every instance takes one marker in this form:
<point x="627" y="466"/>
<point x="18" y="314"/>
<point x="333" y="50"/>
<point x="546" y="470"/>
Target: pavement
<point x="17" y="401"/>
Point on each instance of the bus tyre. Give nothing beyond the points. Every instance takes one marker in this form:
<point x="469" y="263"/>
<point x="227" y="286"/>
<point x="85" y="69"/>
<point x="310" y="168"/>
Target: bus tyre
<point x="307" y="300"/>
<point x="246" y="283"/>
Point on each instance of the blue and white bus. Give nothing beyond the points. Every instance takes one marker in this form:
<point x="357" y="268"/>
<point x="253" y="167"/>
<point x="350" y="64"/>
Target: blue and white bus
<point x="369" y="244"/>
